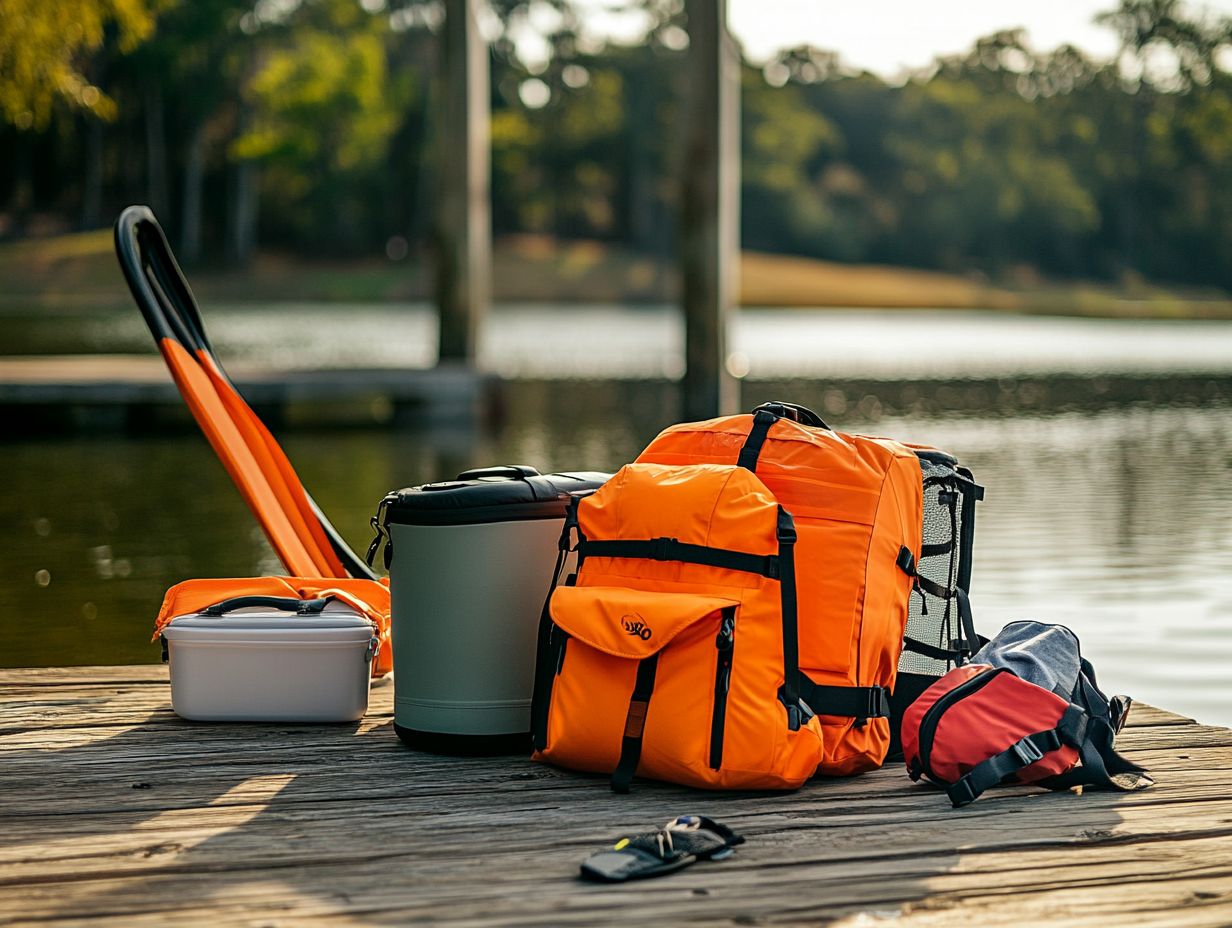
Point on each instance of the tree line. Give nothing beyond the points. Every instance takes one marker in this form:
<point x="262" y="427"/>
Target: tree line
<point x="306" y="125"/>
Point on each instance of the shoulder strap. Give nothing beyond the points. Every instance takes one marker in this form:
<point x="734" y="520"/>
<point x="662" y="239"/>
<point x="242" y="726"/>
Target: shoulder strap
<point x="1102" y="767"/>
<point x="546" y="658"/>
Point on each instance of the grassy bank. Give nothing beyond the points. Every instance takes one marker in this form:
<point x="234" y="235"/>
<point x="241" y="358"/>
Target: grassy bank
<point x="80" y="271"/>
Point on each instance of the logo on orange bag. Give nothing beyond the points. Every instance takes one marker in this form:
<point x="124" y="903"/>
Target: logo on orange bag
<point x="634" y="625"/>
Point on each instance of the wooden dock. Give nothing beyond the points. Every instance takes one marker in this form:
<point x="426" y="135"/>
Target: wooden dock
<point x="132" y="392"/>
<point x="114" y="811"/>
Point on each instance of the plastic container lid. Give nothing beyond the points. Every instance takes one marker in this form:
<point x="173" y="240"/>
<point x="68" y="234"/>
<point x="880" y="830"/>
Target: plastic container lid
<point x="336" y="615"/>
<point x="495" y="494"/>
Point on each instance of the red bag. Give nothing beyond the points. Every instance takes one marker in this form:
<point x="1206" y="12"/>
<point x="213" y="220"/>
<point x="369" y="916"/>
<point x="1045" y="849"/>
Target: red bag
<point x="987" y="722"/>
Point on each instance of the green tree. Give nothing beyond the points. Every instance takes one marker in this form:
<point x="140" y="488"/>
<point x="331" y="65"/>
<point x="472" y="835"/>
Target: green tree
<point x="46" y="52"/>
<point x="323" y="107"/>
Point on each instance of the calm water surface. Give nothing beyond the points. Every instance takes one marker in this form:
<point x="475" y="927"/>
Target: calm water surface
<point x="612" y="342"/>
<point x="1109" y="513"/>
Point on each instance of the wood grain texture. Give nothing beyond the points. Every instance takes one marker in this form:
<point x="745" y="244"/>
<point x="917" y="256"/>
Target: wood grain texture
<point x="114" y="811"/>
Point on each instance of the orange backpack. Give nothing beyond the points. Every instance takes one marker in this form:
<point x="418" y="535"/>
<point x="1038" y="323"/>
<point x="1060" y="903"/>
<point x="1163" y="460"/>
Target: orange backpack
<point x="858" y="510"/>
<point x="672" y="651"/>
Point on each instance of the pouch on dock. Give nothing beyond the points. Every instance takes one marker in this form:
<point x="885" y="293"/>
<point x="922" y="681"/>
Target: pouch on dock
<point x="1027" y="709"/>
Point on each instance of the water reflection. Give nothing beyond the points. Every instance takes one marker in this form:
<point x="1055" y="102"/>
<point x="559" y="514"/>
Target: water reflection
<point x="1113" y="517"/>
<point x="622" y="342"/>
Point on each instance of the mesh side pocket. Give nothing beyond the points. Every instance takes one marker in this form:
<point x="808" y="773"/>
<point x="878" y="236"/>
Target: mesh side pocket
<point x="931" y="619"/>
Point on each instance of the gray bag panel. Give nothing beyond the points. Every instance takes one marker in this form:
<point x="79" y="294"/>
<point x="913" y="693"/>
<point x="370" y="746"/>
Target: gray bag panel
<point x="1046" y="655"/>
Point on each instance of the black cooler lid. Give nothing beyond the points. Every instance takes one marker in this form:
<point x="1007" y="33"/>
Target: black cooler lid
<point x="490" y="494"/>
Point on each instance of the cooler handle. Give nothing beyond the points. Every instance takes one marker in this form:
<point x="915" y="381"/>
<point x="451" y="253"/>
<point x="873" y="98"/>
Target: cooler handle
<point x="512" y="471"/>
<point x="282" y="603"/>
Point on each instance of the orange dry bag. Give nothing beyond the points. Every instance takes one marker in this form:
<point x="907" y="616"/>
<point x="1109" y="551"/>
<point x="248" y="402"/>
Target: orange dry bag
<point x="857" y="505"/>
<point x="672" y="651"/>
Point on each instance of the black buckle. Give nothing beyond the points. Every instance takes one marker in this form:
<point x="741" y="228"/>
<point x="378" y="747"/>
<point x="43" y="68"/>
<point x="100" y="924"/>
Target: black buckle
<point x="961" y="793"/>
<point x="660" y="548"/>
<point x="963" y="646"/>
<point x="765" y="414"/>
<point x="879" y="703"/>
<point x="786" y="528"/>
<point x="1026" y="752"/>
<point x="906" y="561"/>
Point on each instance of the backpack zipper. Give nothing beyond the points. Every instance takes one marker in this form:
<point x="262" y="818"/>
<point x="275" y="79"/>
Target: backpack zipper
<point x="928" y="724"/>
<point x="724" y="642"/>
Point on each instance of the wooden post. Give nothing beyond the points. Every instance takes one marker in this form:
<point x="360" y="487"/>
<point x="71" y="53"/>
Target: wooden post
<point x="710" y="209"/>
<point x="463" y="214"/>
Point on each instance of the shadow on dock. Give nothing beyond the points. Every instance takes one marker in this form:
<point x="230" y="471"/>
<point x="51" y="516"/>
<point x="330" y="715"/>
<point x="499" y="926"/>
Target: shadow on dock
<point x="165" y="818"/>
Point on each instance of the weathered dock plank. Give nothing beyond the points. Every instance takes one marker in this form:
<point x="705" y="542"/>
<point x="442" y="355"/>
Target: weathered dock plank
<point x="114" y="811"/>
<point x="117" y="391"/>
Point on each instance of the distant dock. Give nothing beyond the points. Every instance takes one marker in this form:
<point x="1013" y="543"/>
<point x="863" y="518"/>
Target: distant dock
<point x="116" y="812"/>
<point x="135" y="393"/>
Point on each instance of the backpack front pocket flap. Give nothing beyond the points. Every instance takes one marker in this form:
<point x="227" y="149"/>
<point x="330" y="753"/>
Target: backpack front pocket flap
<point x="629" y="623"/>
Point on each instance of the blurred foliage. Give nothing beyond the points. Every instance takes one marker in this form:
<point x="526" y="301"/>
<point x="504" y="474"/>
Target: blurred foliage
<point x="1006" y="159"/>
<point x="48" y="54"/>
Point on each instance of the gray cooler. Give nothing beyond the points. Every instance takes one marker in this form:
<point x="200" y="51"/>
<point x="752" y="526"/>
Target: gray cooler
<point x="470" y="561"/>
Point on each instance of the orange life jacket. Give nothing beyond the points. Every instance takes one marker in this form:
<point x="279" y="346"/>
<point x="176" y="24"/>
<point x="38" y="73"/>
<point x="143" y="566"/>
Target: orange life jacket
<point x="672" y="651"/>
<point x="857" y="505"/>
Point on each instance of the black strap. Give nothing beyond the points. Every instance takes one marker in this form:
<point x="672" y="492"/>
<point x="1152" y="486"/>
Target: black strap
<point x="792" y="678"/>
<point x="971" y="493"/>
<point x="949" y="499"/>
<point x="749" y="453"/>
<point x="547" y="658"/>
<point x="951" y="655"/>
<point x="1102" y="765"/>
<point x="970" y="641"/>
<point x="669" y="549"/>
<point x="936" y="548"/>
<point x="963" y="647"/>
<point x="859" y="702"/>
<point x="932" y="587"/>
<point x="992" y="771"/>
<point x="635" y="724"/>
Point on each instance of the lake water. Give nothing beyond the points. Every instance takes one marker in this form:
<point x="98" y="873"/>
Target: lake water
<point x="1105" y="447"/>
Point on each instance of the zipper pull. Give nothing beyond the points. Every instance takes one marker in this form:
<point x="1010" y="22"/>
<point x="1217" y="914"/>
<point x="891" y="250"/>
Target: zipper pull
<point x="725" y="640"/>
<point x="923" y="599"/>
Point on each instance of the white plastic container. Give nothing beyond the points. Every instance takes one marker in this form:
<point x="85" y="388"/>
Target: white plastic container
<point x="266" y="659"/>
